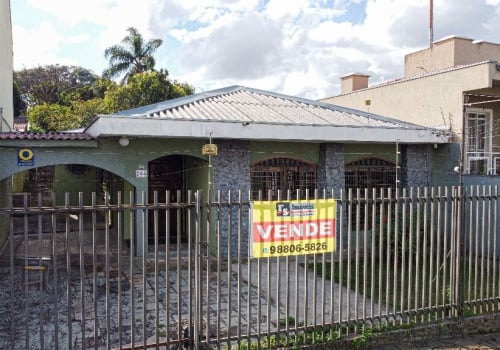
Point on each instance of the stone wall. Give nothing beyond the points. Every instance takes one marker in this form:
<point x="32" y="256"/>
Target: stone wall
<point x="416" y="165"/>
<point x="231" y="169"/>
<point x="330" y="173"/>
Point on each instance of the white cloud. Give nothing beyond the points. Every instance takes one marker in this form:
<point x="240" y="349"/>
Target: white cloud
<point x="297" y="47"/>
<point x="36" y="47"/>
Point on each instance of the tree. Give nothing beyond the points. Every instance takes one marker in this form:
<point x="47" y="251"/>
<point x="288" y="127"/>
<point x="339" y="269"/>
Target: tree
<point x="52" y="117"/>
<point x="133" y="56"/>
<point x="47" y="84"/>
<point x="19" y="104"/>
<point x="143" y="89"/>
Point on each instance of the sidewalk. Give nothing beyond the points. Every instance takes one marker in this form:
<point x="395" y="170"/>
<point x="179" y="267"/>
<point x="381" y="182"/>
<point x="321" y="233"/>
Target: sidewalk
<point x="476" y="342"/>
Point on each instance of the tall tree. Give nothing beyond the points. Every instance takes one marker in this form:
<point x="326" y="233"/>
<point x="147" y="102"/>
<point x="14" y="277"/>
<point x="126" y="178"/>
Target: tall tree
<point x="131" y="57"/>
<point x="143" y="89"/>
<point x="47" y="84"/>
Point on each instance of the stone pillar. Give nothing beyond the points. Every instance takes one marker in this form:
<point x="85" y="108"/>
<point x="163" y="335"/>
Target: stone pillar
<point x="416" y="165"/>
<point x="330" y="173"/>
<point x="231" y="169"/>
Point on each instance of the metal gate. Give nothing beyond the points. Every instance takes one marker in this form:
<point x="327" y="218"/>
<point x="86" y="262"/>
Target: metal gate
<point x="70" y="277"/>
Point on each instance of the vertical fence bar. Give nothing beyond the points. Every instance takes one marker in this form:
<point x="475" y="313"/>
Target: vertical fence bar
<point x="410" y="249"/>
<point x="55" y="273"/>
<point x="483" y="228"/>
<point x="94" y="270"/>
<point x="296" y="301"/>
<point x="133" y="236"/>
<point x="348" y="252"/>
<point x="250" y="277"/>
<point x="380" y="253"/>
<point x="470" y="247"/>
<point x="219" y="261"/>
<point x="342" y="212"/>
<point x="144" y="253"/>
<point x="396" y="253"/>
<point x="197" y="271"/>
<point x="488" y="250"/>
<point x="365" y="253"/>
<point x="431" y="256"/>
<point x="388" y="220"/>
<point x="445" y="302"/>
<point x="458" y="255"/>
<point x="373" y="252"/>
<point x="119" y="297"/>
<point x="229" y="267"/>
<point x="208" y="240"/>
<point x="69" y="297"/>
<point x="155" y="262"/>
<point x="26" y="298"/>
<point x="81" y="235"/>
<point x="424" y="247"/>
<point x="239" y="247"/>
<point x="439" y="233"/>
<point x="167" y="268"/>
<point x="356" y="255"/>
<point x="107" y="269"/>
<point x="338" y="233"/>
<point x="404" y="243"/>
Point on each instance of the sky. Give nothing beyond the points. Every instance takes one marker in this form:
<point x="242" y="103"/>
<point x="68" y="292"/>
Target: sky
<point x="296" y="47"/>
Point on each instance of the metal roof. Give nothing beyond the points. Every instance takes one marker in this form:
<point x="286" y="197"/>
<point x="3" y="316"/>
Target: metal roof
<point x="247" y="113"/>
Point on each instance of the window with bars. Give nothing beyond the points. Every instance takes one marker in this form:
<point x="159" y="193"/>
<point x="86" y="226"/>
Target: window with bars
<point x="478" y="141"/>
<point x="282" y="174"/>
<point x="368" y="174"/>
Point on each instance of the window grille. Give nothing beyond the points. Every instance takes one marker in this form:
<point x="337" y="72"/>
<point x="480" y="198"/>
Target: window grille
<point x="282" y="174"/>
<point x="368" y="174"/>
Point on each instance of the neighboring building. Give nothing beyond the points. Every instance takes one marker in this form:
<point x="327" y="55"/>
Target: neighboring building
<point x="265" y="142"/>
<point x="6" y="68"/>
<point x="453" y="85"/>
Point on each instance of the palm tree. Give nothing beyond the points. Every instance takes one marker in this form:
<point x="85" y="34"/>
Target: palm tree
<point x="132" y="57"/>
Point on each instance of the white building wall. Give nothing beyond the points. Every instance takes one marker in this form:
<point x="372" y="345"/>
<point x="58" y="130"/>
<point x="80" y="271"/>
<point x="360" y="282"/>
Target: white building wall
<point x="433" y="100"/>
<point x="6" y="67"/>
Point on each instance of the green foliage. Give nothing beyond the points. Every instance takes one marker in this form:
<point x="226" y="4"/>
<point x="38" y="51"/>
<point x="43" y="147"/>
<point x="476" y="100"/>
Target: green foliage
<point x="19" y="104"/>
<point x="47" y="84"/>
<point x="143" y="89"/>
<point x="52" y="117"/>
<point x="133" y="56"/>
<point x="86" y="111"/>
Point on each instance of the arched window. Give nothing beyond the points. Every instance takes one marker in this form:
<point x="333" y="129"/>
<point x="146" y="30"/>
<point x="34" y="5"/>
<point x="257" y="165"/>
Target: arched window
<point x="282" y="174"/>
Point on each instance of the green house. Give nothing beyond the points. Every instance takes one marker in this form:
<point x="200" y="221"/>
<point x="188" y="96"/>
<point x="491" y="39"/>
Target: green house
<point x="235" y="138"/>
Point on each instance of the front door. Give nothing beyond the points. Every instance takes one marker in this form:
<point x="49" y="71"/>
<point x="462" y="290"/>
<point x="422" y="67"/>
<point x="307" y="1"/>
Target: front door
<point x="165" y="174"/>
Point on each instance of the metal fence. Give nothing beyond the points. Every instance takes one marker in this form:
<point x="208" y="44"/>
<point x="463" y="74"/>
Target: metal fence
<point x="71" y="279"/>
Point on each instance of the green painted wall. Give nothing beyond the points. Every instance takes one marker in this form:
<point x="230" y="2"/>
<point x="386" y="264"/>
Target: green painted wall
<point x="66" y="182"/>
<point x="353" y="152"/>
<point x="304" y="151"/>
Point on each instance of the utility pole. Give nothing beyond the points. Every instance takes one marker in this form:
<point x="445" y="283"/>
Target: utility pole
<point x="431" y="23"/>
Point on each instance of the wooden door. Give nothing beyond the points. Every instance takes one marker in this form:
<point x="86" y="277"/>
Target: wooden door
<point x="165" y="174"/>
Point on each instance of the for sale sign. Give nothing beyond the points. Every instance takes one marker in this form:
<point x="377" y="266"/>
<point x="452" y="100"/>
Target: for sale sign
<point x="281" y="228"/>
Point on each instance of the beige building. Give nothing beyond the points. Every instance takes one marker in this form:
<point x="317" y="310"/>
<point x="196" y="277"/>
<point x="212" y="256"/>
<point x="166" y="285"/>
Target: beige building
<point x="6" y="68"/>
<point x="455" y="85"/>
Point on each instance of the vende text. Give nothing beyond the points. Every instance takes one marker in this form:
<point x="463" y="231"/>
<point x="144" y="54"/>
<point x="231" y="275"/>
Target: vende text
<point x="291" y="231"/>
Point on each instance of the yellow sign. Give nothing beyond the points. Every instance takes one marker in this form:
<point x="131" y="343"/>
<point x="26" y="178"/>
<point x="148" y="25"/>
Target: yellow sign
<point x="281" y="228"/>
<point x="209" y="149"/>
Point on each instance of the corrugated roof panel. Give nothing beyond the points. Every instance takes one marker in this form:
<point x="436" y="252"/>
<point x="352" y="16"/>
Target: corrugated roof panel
<point x="236" y="104"/>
